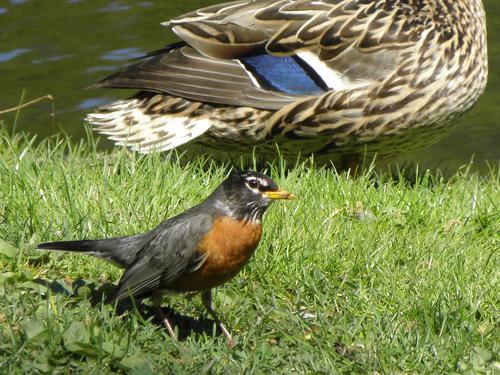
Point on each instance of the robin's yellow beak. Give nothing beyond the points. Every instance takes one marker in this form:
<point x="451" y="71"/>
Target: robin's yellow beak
<point x="278" y="194"/>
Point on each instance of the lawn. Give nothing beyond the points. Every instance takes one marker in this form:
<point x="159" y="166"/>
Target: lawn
<point x="373" y="274"/>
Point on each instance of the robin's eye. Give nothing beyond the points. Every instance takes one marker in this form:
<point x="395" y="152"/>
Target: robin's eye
<point x="253" y="184"/>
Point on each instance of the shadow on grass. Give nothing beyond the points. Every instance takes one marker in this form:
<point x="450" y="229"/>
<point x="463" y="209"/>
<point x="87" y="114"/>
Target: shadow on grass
<point x="186" y="326"/>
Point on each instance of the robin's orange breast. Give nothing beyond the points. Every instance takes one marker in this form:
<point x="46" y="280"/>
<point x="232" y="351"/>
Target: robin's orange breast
<point x="228" y="247"/>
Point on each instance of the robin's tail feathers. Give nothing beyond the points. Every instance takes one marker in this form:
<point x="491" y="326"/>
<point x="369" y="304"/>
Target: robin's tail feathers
<point x="79" y="246"/>
<point x="102" y="249"/>
<point x="119" y="251"/>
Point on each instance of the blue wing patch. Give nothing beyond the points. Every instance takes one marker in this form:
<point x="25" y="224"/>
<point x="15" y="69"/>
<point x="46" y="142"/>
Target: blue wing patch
<point x="286" y="74"/>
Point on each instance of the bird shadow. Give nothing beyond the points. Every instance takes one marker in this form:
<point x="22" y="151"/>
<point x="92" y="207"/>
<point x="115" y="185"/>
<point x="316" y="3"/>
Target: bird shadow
<point x="184" y="325"/>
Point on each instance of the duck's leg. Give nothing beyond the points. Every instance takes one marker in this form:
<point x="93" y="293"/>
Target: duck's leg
<point x="350" y="163"/>
<point x="157" y="297"/>
<point x="206" y="297"/>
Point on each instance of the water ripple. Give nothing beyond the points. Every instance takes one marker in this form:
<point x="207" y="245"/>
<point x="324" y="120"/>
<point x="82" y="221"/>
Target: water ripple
<point x="52" y="58"/>
<point x="115" y="6"/>
<point x="102" y="68"/>
<point x="6" y="56"/>
<point x="122" y="54"/>
<point x="92" y="102"/>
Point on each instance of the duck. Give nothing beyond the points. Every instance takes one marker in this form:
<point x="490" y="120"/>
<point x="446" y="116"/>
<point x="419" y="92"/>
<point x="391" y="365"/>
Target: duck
<point x="335" y="80"/>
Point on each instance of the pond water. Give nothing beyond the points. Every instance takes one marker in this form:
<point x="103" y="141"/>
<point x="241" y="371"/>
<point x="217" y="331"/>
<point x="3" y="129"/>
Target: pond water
<point x="59" y="47"/>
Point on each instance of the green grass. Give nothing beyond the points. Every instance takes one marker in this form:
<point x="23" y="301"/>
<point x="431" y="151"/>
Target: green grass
<point x="364" y="275"/>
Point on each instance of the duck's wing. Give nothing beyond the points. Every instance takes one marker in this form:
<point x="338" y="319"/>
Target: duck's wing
<point x="346" y="42"/>
<point x="184" y="72"/>
<point x="266" y="54"/>
<point x="240" y="28"/>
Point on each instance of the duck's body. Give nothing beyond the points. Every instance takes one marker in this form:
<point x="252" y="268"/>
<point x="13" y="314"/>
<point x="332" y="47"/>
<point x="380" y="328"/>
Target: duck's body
<point x="331" y="78"/>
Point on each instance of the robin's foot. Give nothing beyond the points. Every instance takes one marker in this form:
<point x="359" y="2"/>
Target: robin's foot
<point x="163" y="318"/>
<point x="206" y="297"/>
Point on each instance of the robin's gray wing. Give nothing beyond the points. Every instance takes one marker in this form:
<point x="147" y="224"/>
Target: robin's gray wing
<point x="171" y="253"/>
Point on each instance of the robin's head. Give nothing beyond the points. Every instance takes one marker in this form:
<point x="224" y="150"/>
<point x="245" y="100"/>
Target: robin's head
<point x="247" y="194"/>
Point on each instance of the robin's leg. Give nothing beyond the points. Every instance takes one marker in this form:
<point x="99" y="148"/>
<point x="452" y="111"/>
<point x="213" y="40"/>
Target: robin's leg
<point x="206" y="297"/>
<point x="157" y="303"/>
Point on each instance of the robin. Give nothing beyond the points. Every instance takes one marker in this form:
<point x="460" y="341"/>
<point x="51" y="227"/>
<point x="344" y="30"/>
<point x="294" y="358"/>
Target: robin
<point x="194" y="251"/>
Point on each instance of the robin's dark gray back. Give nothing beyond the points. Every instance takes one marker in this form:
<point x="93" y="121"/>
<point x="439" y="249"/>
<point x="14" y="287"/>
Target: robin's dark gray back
<point x="187" y="227"/>
<point x="169" y="252"/>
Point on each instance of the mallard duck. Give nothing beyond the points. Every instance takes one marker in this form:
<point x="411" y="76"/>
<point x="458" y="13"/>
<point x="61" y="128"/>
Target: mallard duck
<point x="330" y="78"/>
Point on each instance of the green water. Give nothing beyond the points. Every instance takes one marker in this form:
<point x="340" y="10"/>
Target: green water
<point x="59" y="47"/>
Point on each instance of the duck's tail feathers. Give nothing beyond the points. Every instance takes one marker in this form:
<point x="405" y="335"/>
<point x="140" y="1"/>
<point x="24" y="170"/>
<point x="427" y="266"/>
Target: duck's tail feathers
<point x="150" y="122"/>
